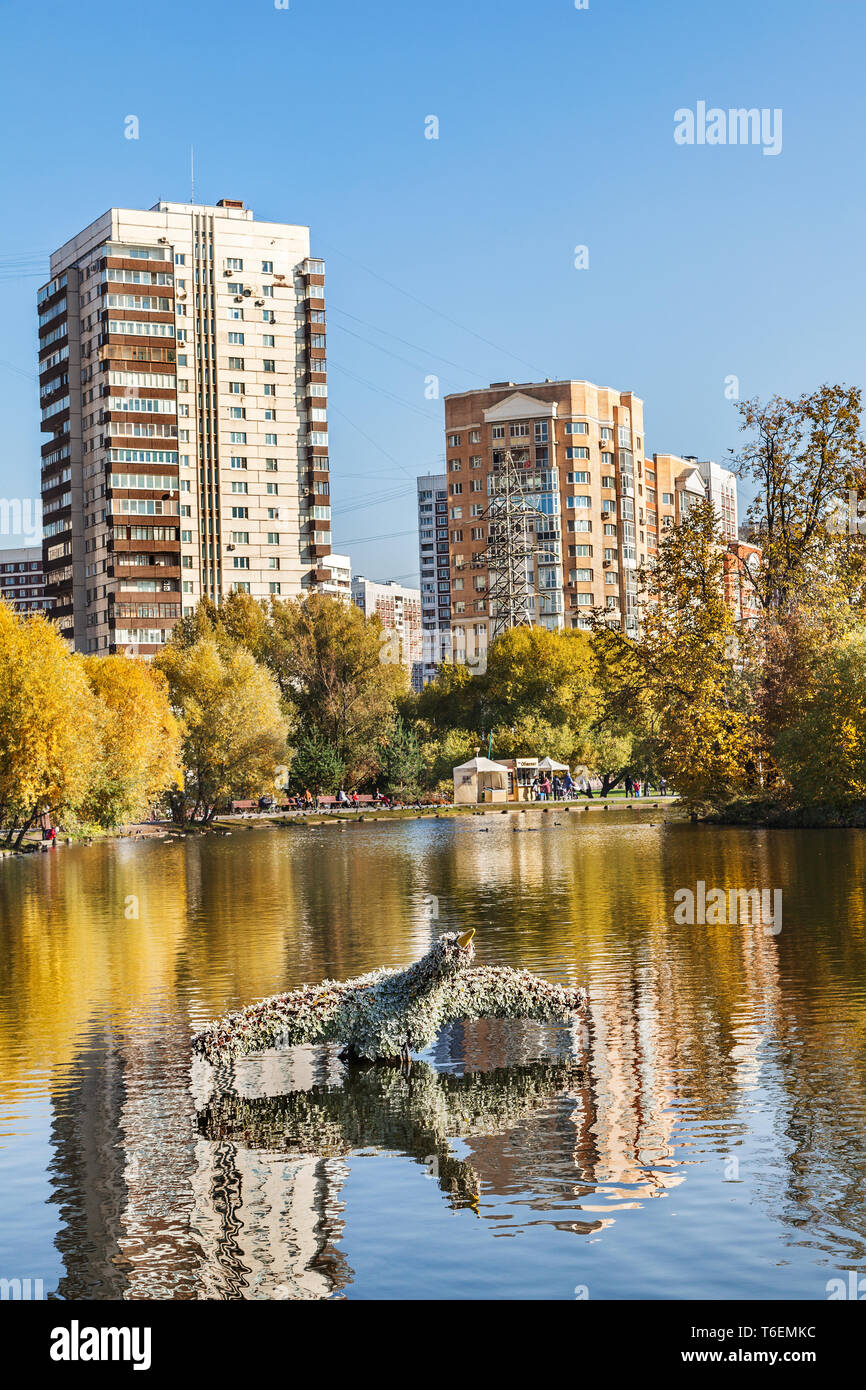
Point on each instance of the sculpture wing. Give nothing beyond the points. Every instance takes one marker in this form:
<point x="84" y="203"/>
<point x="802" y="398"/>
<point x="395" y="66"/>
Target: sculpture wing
<point x="496" y="991"/>
<point x="311" y="1014"/>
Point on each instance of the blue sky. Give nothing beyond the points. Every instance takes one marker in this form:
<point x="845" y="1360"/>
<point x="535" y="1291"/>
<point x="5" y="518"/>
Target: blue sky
<point x="455" y="256"/>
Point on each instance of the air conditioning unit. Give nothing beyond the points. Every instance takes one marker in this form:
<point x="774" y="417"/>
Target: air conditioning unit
<point x="163" y="241"/>
<point x="239" y="299"/>
<point x="247" y="294"/>
<point x="229" y="547"/>
<point x="259" y="303"/>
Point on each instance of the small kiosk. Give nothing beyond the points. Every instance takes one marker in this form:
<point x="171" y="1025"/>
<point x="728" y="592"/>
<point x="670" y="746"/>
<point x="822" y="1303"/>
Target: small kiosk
<point x="480" y="780"/>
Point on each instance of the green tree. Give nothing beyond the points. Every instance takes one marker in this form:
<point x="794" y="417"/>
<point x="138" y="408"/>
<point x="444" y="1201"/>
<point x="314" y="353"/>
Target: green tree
<point x="317" y="765"/>
<point x="400" y="760"/>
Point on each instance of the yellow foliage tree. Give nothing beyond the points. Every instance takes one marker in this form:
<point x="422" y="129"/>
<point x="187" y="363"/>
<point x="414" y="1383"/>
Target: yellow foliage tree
<point x="234" y="735"/>
<point x="48" y="732"/>
<point x="139" y="740"/>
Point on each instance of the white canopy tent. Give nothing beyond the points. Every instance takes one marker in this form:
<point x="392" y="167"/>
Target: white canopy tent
<point x="551" y="765"/>
<point x="480" y="780"/>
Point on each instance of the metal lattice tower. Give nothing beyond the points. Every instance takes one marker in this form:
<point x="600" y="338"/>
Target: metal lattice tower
<point x="510" y="551"/>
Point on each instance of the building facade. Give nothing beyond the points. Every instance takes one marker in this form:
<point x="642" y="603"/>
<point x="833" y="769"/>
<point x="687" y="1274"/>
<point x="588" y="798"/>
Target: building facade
<point x="339" y="585"/>
<point x="399" y="611"/>
<point x="435" y="568"/>
<point x="579" y="452"/>
<point x="22" y="582"/>
<point x="182" y="371"/>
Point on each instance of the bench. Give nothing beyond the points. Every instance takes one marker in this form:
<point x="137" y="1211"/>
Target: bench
<point x="244" y="806"/>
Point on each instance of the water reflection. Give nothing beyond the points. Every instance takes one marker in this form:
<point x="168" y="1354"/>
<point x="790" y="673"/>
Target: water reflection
<point x="704" y="1046"/>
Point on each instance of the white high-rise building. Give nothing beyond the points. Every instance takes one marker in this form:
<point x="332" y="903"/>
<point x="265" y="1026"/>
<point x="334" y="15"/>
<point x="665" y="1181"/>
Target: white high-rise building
<point x="399" y="610"/>
<point x="721" y="485"/>
<point x="183" y="382"/>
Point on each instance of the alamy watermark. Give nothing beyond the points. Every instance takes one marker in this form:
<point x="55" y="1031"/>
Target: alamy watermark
<point x="713" y="907"/>
<point x="735" y="126"/>
<point x="21" y="516"/>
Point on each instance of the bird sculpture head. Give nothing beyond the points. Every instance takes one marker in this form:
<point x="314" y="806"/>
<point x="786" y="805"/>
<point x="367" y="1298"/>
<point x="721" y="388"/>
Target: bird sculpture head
<point x="451" y="952"/>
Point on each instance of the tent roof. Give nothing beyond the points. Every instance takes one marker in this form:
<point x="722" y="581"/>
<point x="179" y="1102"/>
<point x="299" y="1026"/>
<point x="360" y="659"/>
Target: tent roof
<point x="480" y="765"/>
<point x="550" y="764"/>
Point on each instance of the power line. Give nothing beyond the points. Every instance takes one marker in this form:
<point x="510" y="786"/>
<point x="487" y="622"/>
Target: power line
<point x="430" y="308"/>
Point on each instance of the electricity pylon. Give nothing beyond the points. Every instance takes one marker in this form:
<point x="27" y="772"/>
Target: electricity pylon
<point x="511" y="548"/>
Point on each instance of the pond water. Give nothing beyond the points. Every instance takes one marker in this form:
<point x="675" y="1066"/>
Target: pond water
<point x="702" y="1135"/>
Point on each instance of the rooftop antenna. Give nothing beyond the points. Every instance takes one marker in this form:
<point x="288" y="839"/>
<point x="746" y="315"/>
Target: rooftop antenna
<point x="192" y="174"/>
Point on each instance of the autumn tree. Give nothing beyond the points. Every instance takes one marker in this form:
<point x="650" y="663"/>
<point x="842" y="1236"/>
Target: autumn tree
<point x="336" y="669"/>
<point x="48" y="737"/>
<point x="821" y="751"/>
<point x="686" y="667"/>
<point x="233" y="731"/>
<point x="803" y="457"/>
<point x="138" y="740"/>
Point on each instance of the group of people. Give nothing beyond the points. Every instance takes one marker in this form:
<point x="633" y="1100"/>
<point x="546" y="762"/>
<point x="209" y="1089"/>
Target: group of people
<point x="543" y="788"/>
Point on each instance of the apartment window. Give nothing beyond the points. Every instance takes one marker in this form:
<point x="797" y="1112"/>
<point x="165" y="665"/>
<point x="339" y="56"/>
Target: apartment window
<point x="498" y="432"/>
<point x="273" y="562"/>
<point x="237" y="437"/>
<point x="236" y="339"/>
<point x="609" y="529"/>
<point x="476" y="509"/>
<point x="580" y="577"/>
<point x="240" y="513"/>
<point x="576" y="427"/>
<point x="457" y="536"/>
<point x="234" y="263"/>
<point x="579" y="478"/>
<point x="236" y="313"/>
<point x="607" y="460"/>
<point x="608" y="482"/>
<point x="180" y="258"/>
<point x="269" y="365"/>
<point x="270" y="389"/>
<point x="267" y="267"/>
<point x="241" y="537"/>
<point x="579" y="453"/>
<point x="272" y="488"/>
<point x="476" y="484"/>
<point x="271" y="439"/>
<point x="605" y="433"/>
<point x="238" y="461"/>
<point x="455" y="465"/>
<point x="611" y="577"/>
<point x="241" y="587"/>
<point x="542" y="433"/>
<point x="234" y="288"/>
<point x="274" y="587"/>
<point x="240" y="485"/>
<point x="456" y="513"/>
<point x="668" y="499"/>
<point x="273" y="538"/>
<point x="477" y="533"/>
<point x="270" y="465"/>
<point x="268" y="340"/>
<point x="454" y="441"/>
<point x="237" y="412"/>
<point x="237" y="388"/>
<point x="474" y="436"/>
<point x="475" y="461"/>
<point x="583" y="600"/>
<point x="520" y="430"/>
<point x="240" y="562"/>
<point x="455" y="489"/>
